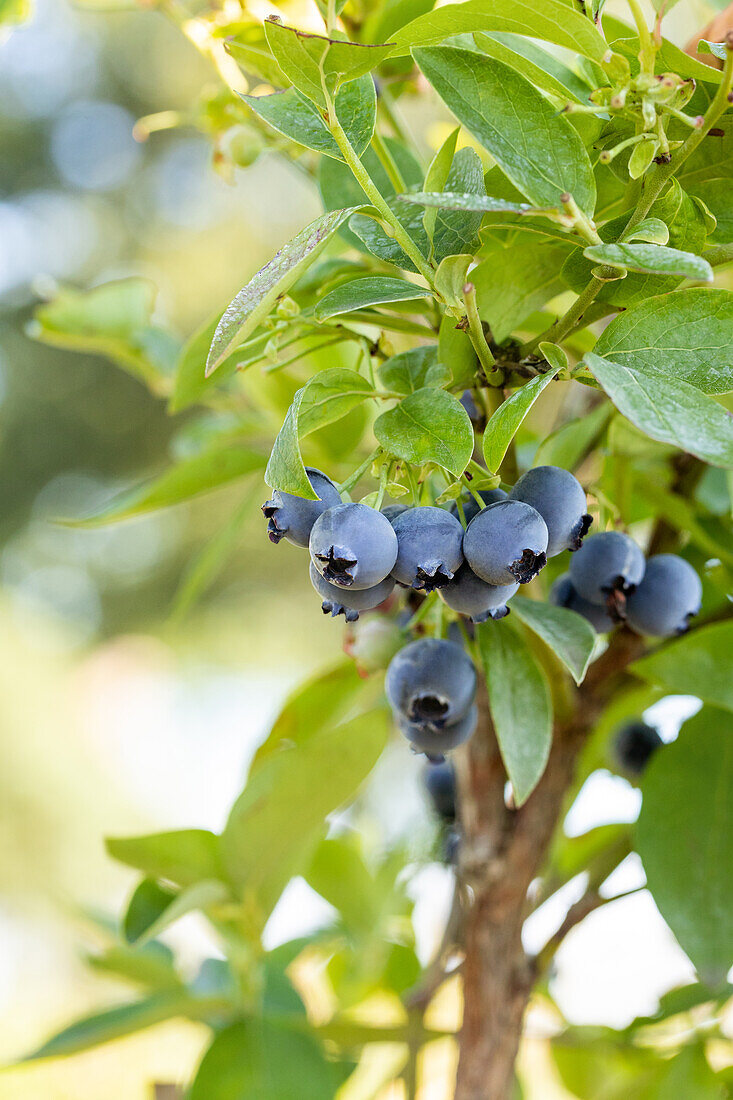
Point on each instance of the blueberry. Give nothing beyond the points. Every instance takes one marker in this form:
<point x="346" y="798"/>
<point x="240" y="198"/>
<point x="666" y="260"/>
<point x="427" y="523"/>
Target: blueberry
<point x="506" y="542"/>
<point x="436" y="743"/>
<point x="440" y="783"/>
<point x="431" y="683"/>
<point x="606" y="569"/>
<point x="429" y="548"/>
<point x="293" y="517"/>
<point x="633" y="746"/>
<point x="667" y="598"/>
<point x="349" y="601"/>
<point x="469" y="404"/>
<point x="563" y="594"/>
<point x="470" y="504"/>
<point x="560" y="500"/>
<point x="471" y="596"/>
<point x="353" y="546"/>
<point x="392" y="511"/>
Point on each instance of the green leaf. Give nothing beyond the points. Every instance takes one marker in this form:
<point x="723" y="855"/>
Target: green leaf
<point x="428" y="426"/>
<point x="451" y="277"/>
<point x="688" y="335"/>
<point x="113" y="320"/>
<point x="114" y="1023"/>
<point x="326" y="397"/>
<point x="539" y="66"/>
<point x="668" y="410"/>
<point x="14" y="12"/>
<point x="457" y="230"/>
<point x="651" y="230"/>
<point x="199" y="895"/>
<point x="388" y="16"/>
<point x="437" y="176"/>
<point x="452" y="200"/>
<point x="700" y="663"/>
<point x="567" y="634"/>
<point x="651" y="257"/>
<point x="297" y="117"/>
<point x="718" y="198"/>
<point x="208" y="470"/>
<point x="717" y="49"/>
<point x="149" y="900"/>
<point x="263" y="1059"/>
<point x="184" y="856"/>
<point x="412" y="370"/>
<point x="552" y="21"/>
<point x="504" y="423"/>
<point x="456" y="351"/>
<point x="256" y="60"/>
<point x="371" y="291"/>
<point x="150" y="966"/>
<point x="339" y="874"/>
<point x="515" y="280"/>
<point x="569" y="445"/>
<point x="289" y="796"/>
<point x="255" y="300"/>
<point x="191" y="383"/>
<point x="377" y="241"/>
<point x="685" y="840"/>
<point x="520" y="704"/>
<point x="306" y="59"/>
<point x="205" y="566"/>
<point x="536" y="148"/>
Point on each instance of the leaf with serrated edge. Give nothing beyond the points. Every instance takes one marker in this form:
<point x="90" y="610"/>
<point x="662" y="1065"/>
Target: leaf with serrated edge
<point x="668" y="410"/>
<point x="428" y="426"/>
<point x="652" y="258"/>
<point x="370" y="291"/>
<point x="688" y="335"/>
<point x="536" y="148"/>
<point x="520" y="704"/>
<point x="504" y="423"/>
<point x="550" y="21"/>
<point x="255" y="300"/>
<point x="567" y="634"/>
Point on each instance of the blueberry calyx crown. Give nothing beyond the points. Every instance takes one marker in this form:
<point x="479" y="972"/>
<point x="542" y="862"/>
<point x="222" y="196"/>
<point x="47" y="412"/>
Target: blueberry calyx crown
<point x="269" y="511"/>
<point x="579" y="532"/>
<point x="431" y="576"/>
<point x="337" y="567"/>
<point x="429" y="708"/>
<point x="527" y="567"/>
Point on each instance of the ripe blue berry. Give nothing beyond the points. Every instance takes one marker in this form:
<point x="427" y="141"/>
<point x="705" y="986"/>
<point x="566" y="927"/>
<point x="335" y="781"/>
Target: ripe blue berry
<point x="292" y="517"/>
<point x="634" y="745"/>
<point x="431" y="683"/>
<point x="392" y="511"/>
<point x="349" y="601"/>
<point x="560" y="500"/>
<point x="440" y="783"/>
<point x="471" y="596"/>
<point x="470" y="504"/>
<point x="506" y="542"/>
<point x="563" y="594"/>
<point x="353" y="546"/>
<point x="435" y="743"/>
<point x="606" y="569"/>
<point x="429" y="548"/>
<point x="667" y="598"/>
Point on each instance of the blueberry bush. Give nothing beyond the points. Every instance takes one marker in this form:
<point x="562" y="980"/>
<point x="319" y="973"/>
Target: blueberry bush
<point x="529" y="592"/>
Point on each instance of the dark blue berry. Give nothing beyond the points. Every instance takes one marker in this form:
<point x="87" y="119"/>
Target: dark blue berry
<point x="429" y="548"/>
<point x="471" y="596"/>
<point x="606" y="569"/>
<point x="666" y="599"/>
<point x="436" y="743"/>
<point x="392" y="511"/>
<point x="353" y="546"/>
<point x="563" y="594"/>
<point x="431" y="683"/>
<point x="292" y="517"/>
<point x="634" y="745"/>
<point x="440" y="783"/>
<point x="470" y="504"/>
<point x="349" y="601"/>
<point x="506" y="542"/>
<point x="560" y="500"/>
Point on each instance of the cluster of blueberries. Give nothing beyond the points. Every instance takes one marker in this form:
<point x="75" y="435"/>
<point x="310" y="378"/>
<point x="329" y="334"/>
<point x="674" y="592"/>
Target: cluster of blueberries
<point x="359" y="553"/>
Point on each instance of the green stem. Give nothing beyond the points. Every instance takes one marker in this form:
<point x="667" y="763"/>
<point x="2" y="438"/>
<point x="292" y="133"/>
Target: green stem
<point x="647" y="53"/>
<point x="583" y="224"/>
<point x="348" y="485"/>
<point x="664" y="172"/>
<point x="476" y="332"/>
<point x="422" y="612"/>
<point x="383" y="478"/>
<point x="569" y="320"/>
<point x="302" y="354"/>
<point x="388" y="163"/>
<point x="375" y="196"/>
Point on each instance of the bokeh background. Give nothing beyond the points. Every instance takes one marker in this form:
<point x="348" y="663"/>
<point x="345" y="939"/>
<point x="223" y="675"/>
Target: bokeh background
<point x="114" y="716"/>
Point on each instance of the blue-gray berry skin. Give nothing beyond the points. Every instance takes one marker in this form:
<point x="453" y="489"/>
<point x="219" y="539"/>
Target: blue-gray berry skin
<point x="560" y="500"/>
<point x="353" y="546"/>
<point x="440" y="783"/>
<point x="431" y="683"/>
<point x="470" y="504"/>
<point x="667" y="598"/>
<point x="392" y="511"/>
<point x="474" y="415"/>
<point x="293" y="517"/>
<point x="471" y="596"/>
<point x="429" y="548"/>
<point x="506" y="543"/>
<point x="436" y="743"/>
<point x="634" y="745"/>
<point x="563" y="594"/>
<point x="349" y="601"/>
<point x="606" y="569"/>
